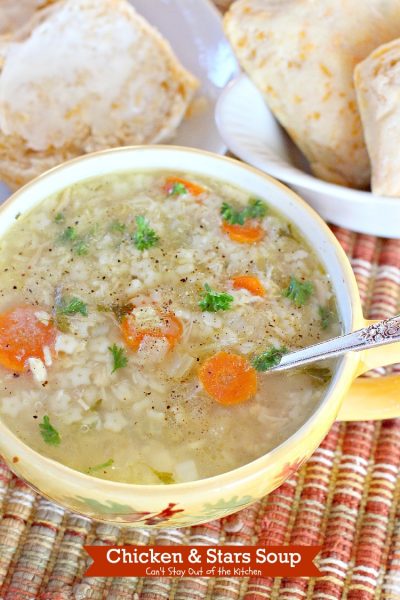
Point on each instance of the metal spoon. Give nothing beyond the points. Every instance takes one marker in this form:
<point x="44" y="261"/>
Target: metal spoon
<point x="378" y="334"/>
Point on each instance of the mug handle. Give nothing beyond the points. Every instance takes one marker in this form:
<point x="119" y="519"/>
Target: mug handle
<point x="373" y="398"/>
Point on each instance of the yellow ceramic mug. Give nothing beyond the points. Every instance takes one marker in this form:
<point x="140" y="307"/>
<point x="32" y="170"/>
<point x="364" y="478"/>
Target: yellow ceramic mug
<point x="346" y="398"/>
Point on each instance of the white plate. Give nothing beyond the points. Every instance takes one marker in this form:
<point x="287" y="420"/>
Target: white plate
<point x="194" y="30"/>
<point x="252" y="133"/>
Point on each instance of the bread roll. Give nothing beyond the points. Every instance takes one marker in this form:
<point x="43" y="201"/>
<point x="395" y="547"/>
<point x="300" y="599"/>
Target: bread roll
<point x="301" y="54"/>
<point x="90" y="75"/>
<point x="377" y="81"/>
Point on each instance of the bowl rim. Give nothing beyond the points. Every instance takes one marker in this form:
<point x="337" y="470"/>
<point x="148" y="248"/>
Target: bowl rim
<point x="343" y="376"/>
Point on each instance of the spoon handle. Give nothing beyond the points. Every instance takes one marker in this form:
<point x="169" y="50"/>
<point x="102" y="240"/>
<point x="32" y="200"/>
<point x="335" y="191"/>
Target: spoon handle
<point x="378" y="334"/>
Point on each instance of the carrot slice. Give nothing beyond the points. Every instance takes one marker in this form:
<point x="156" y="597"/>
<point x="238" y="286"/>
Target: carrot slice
<point x="228" y="378"/>
<point x="192" y="188"/>
<point x="250" y="283"/>
<point x="169" y="327"/>
<point x="23" y="336"/>
<point x="244" y="234"/>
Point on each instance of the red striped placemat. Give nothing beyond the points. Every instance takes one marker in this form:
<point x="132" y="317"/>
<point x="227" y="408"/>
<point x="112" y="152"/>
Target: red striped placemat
<point x="346" y="498"/>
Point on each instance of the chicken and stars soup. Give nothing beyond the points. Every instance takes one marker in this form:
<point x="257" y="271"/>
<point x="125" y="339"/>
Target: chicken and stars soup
<point x="139" y="314"/>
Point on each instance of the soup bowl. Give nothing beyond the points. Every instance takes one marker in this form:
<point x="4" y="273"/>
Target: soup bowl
<point x="347" y="397"/>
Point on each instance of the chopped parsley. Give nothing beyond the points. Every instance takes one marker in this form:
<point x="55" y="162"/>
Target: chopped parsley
<point x="79" y="243"/>
<point x="213" y="301"/>
<point x="177" y="189"/>
<point x="117" y="227"/>
<point x="59" y="218"/>
<point x="299" y="292"/>
<point x="119" y="357"/>
<point x="105" y="465"/>
<point x="72" y="306"/>
<point x="164" y="476"/>
<point x="327" y="316"/>
<point x="81" y="247"/>
<point x="255" y="209"/>
<point x="270" y="358"/>
<point x="69" y="234"/>
<point x="232" y="215"/>
<point x="321" y="374"/>
<point x="49" y="434"/>
<point x="144" y="237"/>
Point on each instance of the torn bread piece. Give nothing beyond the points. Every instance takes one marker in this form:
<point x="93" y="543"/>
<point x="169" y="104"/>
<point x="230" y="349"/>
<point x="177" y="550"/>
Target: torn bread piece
<point x="91" y="75"/>
<point x="377" y="82"/>
<point x="301" y="54"/>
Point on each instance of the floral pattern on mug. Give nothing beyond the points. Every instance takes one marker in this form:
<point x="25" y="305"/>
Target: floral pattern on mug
<point x="126" y="513"/>
<point x="290" y="469"/>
